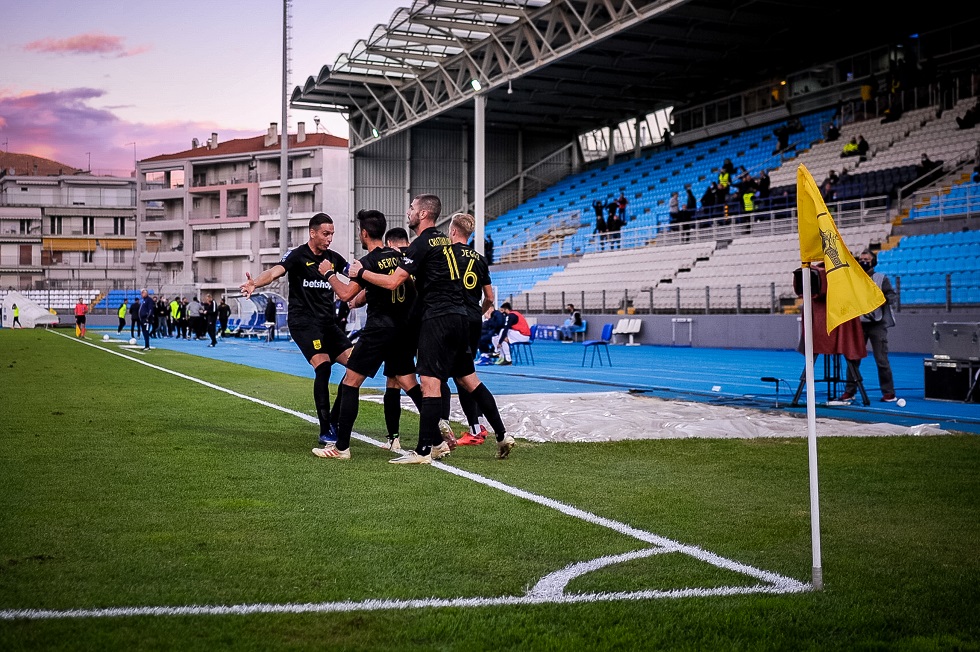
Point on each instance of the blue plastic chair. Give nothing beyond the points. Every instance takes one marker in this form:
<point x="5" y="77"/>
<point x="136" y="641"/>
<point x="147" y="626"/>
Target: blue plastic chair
<point x="597" y="346"/>
<point x="521" y="351"/>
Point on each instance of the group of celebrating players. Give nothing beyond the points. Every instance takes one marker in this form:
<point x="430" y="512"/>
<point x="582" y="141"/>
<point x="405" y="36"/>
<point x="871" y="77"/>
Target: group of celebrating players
<point x="425" y="305"/>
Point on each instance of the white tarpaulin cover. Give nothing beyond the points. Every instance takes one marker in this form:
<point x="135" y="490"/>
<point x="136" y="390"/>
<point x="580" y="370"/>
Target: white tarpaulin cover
<point x="614" y="416"/>
<point x="31" y="313"/>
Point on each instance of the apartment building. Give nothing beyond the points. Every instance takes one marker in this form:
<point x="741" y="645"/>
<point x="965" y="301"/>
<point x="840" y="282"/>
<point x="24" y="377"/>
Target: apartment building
<point x="208" y="215"/>
<point x="64" y="229"/>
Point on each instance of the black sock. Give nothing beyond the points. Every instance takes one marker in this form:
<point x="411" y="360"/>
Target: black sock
<point x="321" y="396"/>
<point x="416" y="395"/>
<point x="335" y="410"/>
<point x="472" y="412"/>
<point x="429" y="425"/>
<point x="488" y="406"/>
<point x="447" y="396"/>
<point x="347" y="398"/>
<point x="393" y="410"/>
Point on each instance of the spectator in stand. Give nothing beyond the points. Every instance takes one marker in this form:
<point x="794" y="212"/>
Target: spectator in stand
<point x="621" y="207"/>
<point x="488" y="249"/>
<point x="850" y="148"/>
<point x="969" y="119"/>
<point x="831" y="178"/>
<point x="926" y="165"/>
<point x="615" y="226"/>
<point x="690" y="209"/>
<point x="709" y="199"/>
<point x="601" y="228"/>
<point x="666" y="138"/>
<point x="763" y="188"/>
<point x="674" y="209"/>
<point x="833" y="133"/>
<point x="863" y="148"/>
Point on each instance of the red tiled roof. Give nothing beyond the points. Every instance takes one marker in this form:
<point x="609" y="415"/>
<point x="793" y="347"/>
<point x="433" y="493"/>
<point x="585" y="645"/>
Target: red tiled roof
<point x="255" y="144"/>
<point x="23" y="165"/>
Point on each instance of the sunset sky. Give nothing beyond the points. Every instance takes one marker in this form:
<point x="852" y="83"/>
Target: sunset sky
<point x="83" y="81"/>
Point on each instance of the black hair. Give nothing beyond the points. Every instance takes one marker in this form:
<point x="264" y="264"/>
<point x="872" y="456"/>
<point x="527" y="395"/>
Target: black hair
<point x="320" y="218"/>
<point x="505" y="306"/>
<point x="373" y="222"/>
<point x="396" y="233"/>
<point x="430" y="203"/>
<point x="874" y="257"/>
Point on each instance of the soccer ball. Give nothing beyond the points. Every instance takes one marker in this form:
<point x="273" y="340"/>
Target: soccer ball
<point x="132" y="341"/>
<point x="105" y="338"/>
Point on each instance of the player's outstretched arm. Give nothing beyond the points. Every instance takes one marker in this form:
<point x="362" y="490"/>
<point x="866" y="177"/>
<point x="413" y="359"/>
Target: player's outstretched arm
<point x="263" y="279"/>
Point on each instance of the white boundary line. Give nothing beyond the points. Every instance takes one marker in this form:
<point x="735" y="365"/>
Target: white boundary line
<point x="549" y="590"/>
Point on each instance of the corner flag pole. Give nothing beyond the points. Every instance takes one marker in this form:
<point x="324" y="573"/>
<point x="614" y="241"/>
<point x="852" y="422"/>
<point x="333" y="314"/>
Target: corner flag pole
<point x="811" y="424"/>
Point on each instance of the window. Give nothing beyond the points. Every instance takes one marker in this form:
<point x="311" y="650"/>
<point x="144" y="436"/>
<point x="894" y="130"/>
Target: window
<point x="25" y="227"/>
<point x="88" y="256"/>
<point x="55" y="226"/>
<point x="88" y="225"/>
<point x="119" y="255"/>
<point x="119" y="226"/>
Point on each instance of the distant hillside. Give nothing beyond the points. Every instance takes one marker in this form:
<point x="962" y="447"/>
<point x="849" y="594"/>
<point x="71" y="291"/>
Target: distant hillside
<point x="28" y="164"/>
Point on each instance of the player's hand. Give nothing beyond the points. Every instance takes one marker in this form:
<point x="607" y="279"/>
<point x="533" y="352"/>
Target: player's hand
<point x="324" y="267"/>
<point x="354" y="269"/>
<point x="248" y="287"/>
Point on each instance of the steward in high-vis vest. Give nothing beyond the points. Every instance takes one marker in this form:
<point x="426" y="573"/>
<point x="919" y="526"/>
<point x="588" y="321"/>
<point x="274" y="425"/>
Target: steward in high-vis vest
<point x="122" y="315"/>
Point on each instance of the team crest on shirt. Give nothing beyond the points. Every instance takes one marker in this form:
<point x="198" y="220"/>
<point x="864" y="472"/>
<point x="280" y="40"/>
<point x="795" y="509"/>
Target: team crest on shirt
<point x="408" y="260"/>
<point x="316" y="345"/>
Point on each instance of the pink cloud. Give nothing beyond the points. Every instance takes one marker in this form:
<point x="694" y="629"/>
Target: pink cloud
<point x="64" y="127"/>
<point x="93" y="43"/>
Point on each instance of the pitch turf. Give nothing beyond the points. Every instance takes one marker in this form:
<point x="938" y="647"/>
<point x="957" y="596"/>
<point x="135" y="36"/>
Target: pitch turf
<point x="162" y="507"/>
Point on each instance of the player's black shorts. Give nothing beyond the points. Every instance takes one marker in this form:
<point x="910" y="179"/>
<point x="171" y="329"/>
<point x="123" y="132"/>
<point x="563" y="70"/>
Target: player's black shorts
<point x="444" y="349"/>
<point x="314" y="339"/>
<point x="80" y="320"/>
<point x="389" y="345"/>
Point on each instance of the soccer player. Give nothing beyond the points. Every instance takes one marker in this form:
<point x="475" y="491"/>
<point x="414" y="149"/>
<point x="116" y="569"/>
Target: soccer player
<point x="443" y="350"/>
<point x="384" y="338"/>
<point x="311" y="315"/>
<point x="479" y="300"/>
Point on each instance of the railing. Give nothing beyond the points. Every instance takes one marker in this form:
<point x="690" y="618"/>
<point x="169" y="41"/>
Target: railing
<point x="714" y="227"/>
<point x="721" y="298"/>
<point x="252" y="176"/>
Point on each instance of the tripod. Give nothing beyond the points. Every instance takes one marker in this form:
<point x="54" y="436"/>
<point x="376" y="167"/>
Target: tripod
<point x="832" y="376"/>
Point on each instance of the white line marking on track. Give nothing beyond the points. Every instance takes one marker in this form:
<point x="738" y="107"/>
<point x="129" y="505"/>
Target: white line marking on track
<point x="549" y="590"/>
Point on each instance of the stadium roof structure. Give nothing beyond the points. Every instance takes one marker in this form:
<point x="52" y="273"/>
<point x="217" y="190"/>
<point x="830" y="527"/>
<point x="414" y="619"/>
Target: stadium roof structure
<point x="571" y="66"/>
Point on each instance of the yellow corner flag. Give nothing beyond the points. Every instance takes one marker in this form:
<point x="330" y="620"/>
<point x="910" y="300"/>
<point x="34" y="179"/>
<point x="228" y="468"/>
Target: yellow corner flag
<point x="850" y="291"/>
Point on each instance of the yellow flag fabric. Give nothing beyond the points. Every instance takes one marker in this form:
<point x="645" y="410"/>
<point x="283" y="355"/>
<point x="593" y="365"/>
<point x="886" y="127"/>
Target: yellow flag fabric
<point x="850" y="291"/>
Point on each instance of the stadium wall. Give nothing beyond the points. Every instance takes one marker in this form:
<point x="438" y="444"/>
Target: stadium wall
<point x="911" y="334"/>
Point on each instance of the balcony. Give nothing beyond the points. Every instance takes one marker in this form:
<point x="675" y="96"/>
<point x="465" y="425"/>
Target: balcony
<point x="161" y="225"/>
<point x="156" y="192"/>
<point x="223" y="253"/>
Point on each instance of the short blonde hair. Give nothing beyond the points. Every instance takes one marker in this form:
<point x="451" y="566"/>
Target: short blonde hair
<point x="464" y="223"/>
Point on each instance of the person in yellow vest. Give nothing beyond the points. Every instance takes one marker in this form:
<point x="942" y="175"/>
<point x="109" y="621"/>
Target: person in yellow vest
<point x="80" y="310"/>
<point x="16" y="322"/>
<point x="850" y="148"/>
<point x="748" y="201"/>
<point x="122" y="315"/>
